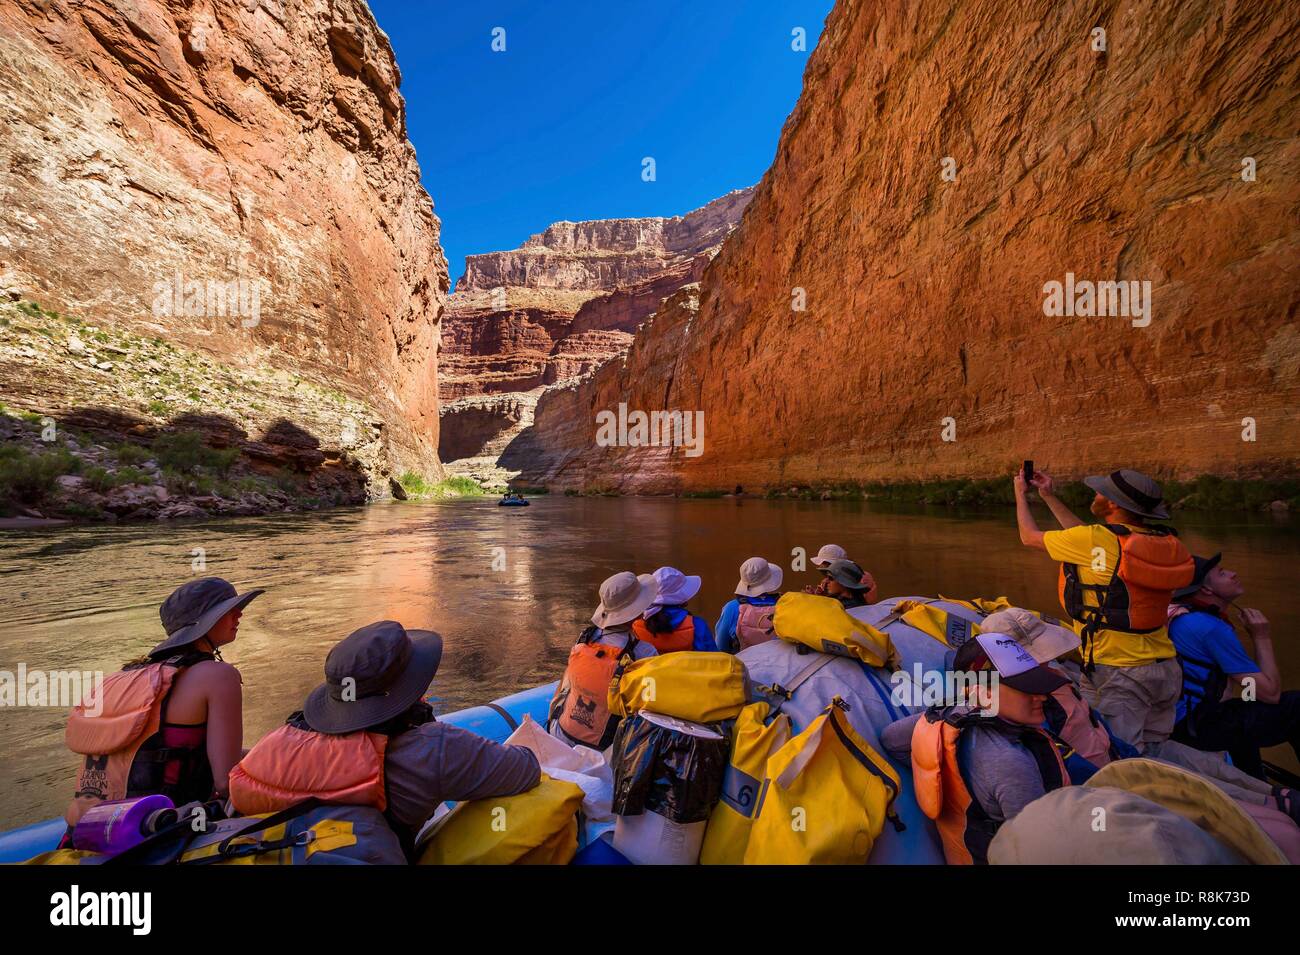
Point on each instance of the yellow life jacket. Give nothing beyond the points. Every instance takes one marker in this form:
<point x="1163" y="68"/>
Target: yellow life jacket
<point x="1152" y="564"/>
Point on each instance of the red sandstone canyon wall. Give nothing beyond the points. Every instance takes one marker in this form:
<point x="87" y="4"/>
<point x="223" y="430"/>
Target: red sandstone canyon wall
<point x="945" y="162"/>
<point x="220" y="141"/>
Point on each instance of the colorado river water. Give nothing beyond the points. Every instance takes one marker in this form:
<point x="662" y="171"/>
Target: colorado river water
<point x="509" y="589"/>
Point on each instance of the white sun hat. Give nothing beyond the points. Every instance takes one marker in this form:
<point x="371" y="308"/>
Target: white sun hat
<point x="758" y="577"/>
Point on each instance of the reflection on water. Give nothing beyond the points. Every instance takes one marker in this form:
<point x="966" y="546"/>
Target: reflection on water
<point x="87" y="598"/>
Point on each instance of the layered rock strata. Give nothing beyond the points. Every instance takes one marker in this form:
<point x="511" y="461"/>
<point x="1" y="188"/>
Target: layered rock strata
<point x="555" y="309"/>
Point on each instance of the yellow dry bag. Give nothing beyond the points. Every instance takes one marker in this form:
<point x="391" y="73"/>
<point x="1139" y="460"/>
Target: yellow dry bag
<point x="699" y="687"/>
<point x="947" y="628"/>
<point x="538" y="827"/>
<point x="825" y="799"/>
<point x="753" y="741"/>
<point x="822" y="624"/>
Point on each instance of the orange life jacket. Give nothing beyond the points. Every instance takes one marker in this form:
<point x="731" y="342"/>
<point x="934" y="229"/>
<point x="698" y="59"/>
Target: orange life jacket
<point x="1152" y="564"/>
<point x="581" y="703"/>
<point x="291" y="764"/>
<point x="120" y="732"/>
<point x="681" y="637"/>
<point x="965" y="829"/>
<point x="754" y="625"/>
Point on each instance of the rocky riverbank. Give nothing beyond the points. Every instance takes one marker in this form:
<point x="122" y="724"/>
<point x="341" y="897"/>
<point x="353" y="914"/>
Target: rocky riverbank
<point x="124" y="427"/>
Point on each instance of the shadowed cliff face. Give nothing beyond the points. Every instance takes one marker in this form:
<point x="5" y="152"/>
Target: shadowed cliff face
<point x="923" y="295"/>
<point x="231" y="176"/>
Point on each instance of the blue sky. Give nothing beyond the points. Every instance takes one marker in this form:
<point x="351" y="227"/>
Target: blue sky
<point x="556" y="126"/>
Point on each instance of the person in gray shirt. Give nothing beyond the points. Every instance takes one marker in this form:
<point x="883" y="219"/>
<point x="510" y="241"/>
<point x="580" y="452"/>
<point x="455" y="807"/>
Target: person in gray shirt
<point x="1000" y="773"/>
<point x="994" y="743"/>
<point x="365" y="737"/>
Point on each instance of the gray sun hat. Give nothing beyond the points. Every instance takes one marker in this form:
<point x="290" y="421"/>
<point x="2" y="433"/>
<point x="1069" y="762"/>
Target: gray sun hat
<point x="1133" y="491"/>
<point x="371" y="676"/>
<point x="847" y="574"/>
<point x="1203" y="566"/>
<point x="828" y="553"/>
<point x="623" y="598"/>
<point x="195" y="607"/>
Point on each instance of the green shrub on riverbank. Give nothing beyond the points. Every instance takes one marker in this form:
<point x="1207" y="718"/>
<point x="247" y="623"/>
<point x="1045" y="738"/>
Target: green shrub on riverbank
<point x="26" y="478"/>
<point x="185" y="452"/>
<point x="102" y="480"/>
<point x="417" y="486"/>
<point x="130" y="453"/>
<point x="1205" y="493"/>
<point x="1209" y="493"/>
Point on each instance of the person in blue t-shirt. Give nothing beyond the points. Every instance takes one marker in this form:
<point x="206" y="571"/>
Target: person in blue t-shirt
<point x="1211" y="716"/>
<point x="747" y="619"/>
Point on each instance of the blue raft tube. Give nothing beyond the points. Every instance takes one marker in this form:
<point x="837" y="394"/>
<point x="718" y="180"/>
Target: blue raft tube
<point x="495" y="721"/>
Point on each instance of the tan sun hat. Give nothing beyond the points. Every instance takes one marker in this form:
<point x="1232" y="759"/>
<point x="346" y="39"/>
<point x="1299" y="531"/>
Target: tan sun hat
<point x="623" y="597"/>
<point x="758" y="577"/>
<point x="1045" y="639"/>
<point x="829" y="553"/>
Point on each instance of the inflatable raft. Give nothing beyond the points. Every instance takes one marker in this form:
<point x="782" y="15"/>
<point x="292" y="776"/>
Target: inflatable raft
<point x="517" y="502"/>
<point x="918" y="844"/>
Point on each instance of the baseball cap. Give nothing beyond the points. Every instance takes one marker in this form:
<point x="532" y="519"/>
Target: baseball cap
<point x="1016" y="666"/>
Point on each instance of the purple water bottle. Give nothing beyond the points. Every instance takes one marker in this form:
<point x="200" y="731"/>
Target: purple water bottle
<point x="113" y="827"/>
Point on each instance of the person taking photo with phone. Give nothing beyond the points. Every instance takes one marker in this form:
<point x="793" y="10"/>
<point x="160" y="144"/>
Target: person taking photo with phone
<point x="1116" y="580"/>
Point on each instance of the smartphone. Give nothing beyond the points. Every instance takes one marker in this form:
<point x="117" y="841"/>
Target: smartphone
<point x="1029" y="473"/>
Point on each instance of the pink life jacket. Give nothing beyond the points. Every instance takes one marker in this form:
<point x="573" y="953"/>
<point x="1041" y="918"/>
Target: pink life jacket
<point x="754" y="625"/>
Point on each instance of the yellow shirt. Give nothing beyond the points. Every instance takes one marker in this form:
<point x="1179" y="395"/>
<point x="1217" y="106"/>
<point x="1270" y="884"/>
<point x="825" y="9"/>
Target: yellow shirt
<point x="1089" y="546"/>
